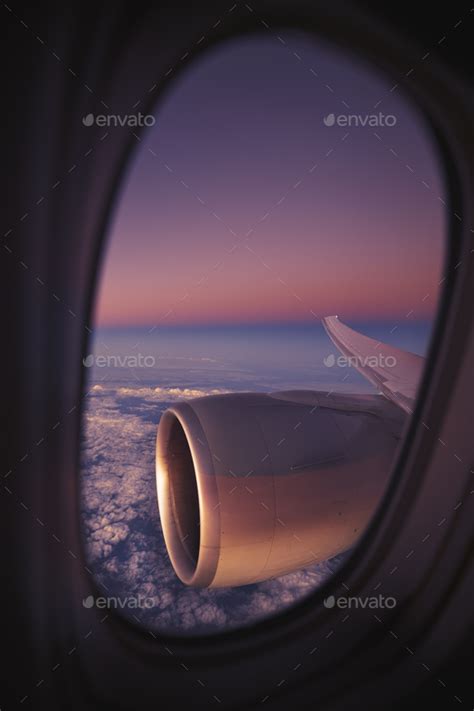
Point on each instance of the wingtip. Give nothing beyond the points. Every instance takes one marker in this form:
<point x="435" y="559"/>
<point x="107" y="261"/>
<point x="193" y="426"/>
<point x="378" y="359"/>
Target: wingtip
<point x="326" y="320"/>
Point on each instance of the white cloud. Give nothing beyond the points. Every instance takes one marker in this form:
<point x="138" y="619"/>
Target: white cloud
<point x="169" y="394"/>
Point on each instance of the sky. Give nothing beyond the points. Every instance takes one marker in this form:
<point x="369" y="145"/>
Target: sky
<point x="241" y="206"/>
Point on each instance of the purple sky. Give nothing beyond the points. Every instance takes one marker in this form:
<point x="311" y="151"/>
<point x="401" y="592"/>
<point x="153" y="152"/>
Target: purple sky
<point x="236" y="140"/>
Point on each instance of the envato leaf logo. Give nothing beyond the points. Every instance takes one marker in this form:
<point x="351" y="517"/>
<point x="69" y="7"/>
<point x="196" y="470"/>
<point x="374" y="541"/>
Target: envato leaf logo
<point x="88" y="602"/>
<point x="330" y="601"/>
<point x="88" y="120"/>
<point x="330" y="360"/>
<point x="329" y="120"/>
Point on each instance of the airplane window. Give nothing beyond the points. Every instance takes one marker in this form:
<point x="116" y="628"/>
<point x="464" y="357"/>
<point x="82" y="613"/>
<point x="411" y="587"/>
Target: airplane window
<point x="262" y="318"/>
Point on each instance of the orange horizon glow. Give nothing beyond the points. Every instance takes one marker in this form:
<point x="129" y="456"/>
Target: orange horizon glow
<point x="261" y="297"/>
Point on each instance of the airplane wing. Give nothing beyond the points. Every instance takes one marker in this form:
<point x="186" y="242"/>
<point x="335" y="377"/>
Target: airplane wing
<point x="394" y="372"/>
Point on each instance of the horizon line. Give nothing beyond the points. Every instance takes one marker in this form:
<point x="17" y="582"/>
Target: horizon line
<point x="264" y="323"/>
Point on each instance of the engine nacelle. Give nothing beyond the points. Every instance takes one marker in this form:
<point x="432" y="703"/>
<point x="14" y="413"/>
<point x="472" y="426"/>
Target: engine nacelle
<point x="253" y="486"/>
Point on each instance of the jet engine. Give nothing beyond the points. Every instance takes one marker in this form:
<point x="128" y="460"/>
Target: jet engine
<point x="252" y="486"/>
